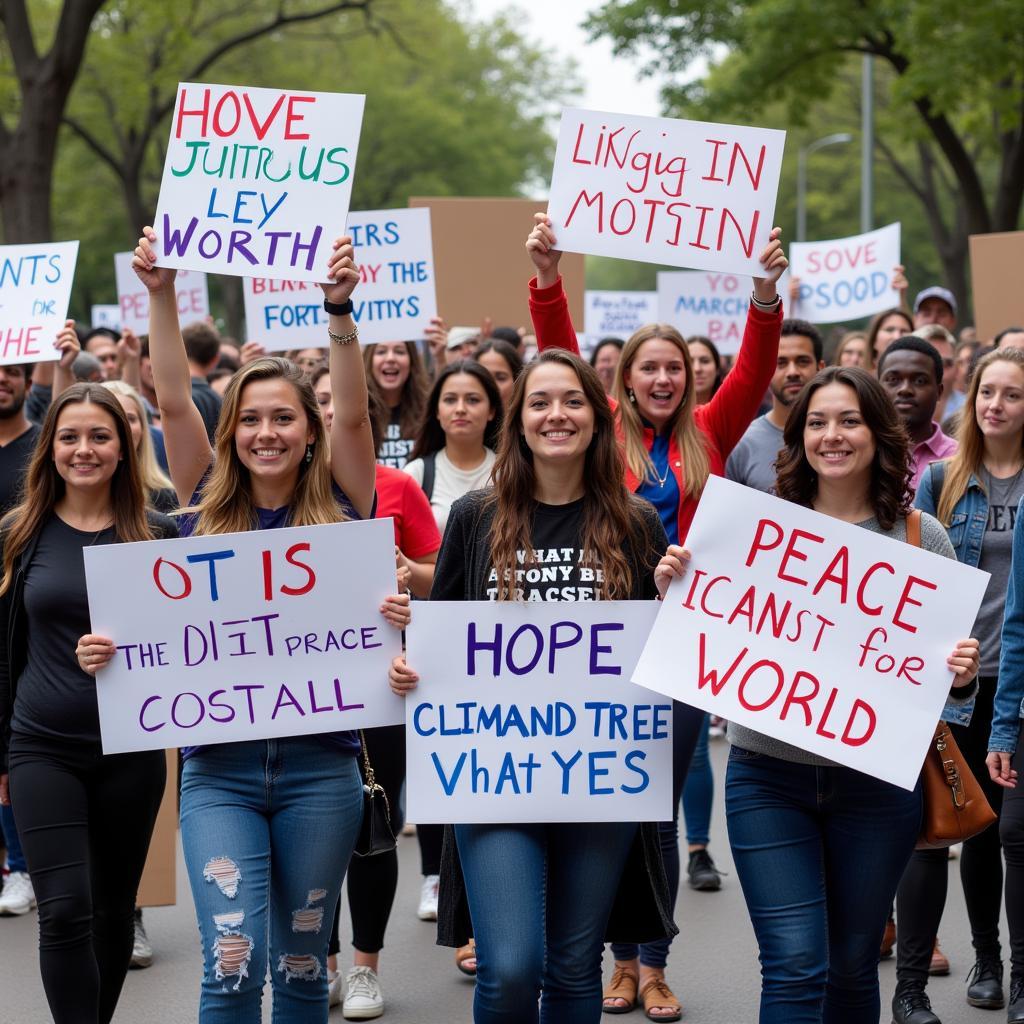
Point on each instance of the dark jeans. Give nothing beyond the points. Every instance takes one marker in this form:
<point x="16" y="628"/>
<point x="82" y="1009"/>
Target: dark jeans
<point x="431" y="839"/>
<point x="1011" y="832"/>
<point x="819" y="853"/>
<point x="85" y="822"/>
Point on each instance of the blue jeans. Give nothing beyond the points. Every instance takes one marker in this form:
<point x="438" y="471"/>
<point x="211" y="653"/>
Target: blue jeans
<point x="540" y="897"/>
<point x="699" y="791"/>
<point x="15" y="858"/>
<point x="819" y="853"/>
<point x="267" y="829"/>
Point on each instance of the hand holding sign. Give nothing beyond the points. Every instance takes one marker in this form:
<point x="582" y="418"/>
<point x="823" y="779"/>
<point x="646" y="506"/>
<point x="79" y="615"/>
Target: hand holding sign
<point x="144" y="264"/>
<point x="774" y="262"/>
<point x="94" y="652"/>
<point x="68" y="345"/>
<point x="342" y="271"/>
<point x="541" y="247"/>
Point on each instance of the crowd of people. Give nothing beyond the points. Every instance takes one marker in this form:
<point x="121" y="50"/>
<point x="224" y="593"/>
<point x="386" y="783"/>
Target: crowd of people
<point x="486" y="447"/>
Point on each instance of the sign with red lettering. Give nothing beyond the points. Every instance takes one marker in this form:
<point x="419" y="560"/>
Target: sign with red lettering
<point x="813" y="631"/>
<point x="257" y="182"/>
<point x="245" y="636"/>
<point x="846" y="278"/>
<point x="709" y="304"/>
<point x="662" y="190"/>
<point x="35" y="290"/>
<point x="133" y="299"/>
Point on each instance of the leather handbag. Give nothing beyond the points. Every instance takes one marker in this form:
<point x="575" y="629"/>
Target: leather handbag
<point x="375" y="834"/>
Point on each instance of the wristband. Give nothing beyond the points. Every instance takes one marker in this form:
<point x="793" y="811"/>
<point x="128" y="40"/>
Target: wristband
<point x="339" y="308"/>
<point x="766" y="307"/>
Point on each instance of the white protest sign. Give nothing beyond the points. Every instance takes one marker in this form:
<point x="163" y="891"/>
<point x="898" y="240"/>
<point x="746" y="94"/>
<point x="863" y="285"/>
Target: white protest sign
<point x="106" y="316"/>
<point x="256" y="181"/>
<point x="394" y="301"/>
<point x="190" y="289"/>
<point x="661" y="190"/>
<point x="617" y="314"/>
<point x="846" y="278"/>
<point x="35" y="291"/>
<point x="526" y="713"/>
<point x="812" y="630"/>
<point x="712" y="305"/>
<point x="244" y="636"/>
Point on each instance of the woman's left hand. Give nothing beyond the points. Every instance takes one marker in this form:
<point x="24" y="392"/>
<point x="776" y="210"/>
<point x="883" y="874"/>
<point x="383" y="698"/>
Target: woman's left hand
<point x="342" y="271"/>
<point x="672" y="566"/>
<point x="774" y="261"/>
<point x="94" y="652"/>
<point x="396" y="610"/>
<point x="965" y="662"/>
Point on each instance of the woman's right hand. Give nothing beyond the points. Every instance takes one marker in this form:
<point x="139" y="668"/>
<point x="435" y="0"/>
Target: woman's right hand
<point x="144" y="264"/>
<point x="5" y="791"/>
<point x="94" y="652"/>
<point x="541" y="247"/>
<point x="998" y="762"/>
<point x="401" y="678"/>
<point x="672" y="566"/>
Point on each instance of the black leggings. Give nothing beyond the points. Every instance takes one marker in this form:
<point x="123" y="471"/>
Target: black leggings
<point x="1011" y="833"/>
<point x="85" y="822"/>
<point x="372" y="881"/>
<point x="921" y="896"/>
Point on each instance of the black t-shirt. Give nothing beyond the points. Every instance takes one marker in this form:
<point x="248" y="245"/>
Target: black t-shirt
<point x="395" y="449"/>
<point x="208" y="402"/>
<point x="14" y="459"/>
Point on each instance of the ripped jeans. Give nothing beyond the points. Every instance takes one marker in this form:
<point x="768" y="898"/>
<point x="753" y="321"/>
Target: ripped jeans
<point x="267" y="829"/>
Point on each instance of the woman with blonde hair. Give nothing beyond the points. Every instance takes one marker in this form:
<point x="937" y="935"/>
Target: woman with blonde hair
<point x="853" y="350"/>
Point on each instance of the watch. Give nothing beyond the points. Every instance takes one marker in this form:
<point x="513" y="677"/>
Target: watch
<point x="339" y="308"/>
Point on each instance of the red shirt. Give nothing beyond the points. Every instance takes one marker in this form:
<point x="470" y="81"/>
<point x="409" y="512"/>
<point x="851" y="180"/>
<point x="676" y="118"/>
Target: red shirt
<point x="399" y="496"/>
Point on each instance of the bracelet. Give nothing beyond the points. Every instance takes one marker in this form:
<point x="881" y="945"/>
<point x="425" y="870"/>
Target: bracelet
<point x="767" y="307"/>
<point x="339" y="308"/>
<point x="343" y="339"/>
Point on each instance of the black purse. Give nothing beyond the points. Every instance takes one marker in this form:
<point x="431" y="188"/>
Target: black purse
<point x="375" y="834"/>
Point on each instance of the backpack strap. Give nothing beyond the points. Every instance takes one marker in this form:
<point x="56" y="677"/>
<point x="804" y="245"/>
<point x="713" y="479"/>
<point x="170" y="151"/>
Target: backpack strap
<point x="937" y="471"/>
<point x="914" y="527"/>
<point x="429" y="474"/>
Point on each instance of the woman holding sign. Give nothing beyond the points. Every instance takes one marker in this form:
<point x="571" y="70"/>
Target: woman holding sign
<point x="85" y="819"/>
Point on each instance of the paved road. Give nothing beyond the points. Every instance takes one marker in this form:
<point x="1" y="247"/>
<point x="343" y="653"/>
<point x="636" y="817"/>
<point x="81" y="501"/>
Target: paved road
<point x="713" y="968"/>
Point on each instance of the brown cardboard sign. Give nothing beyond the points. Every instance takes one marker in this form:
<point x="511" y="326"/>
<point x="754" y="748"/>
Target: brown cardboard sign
<point x="157" y="888"/>
<point x="997" y="272"/>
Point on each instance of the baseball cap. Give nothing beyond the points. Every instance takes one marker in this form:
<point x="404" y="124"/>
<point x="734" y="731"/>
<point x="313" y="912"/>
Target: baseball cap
<point x="460" y="335"/>
<point x="936" y="292"/>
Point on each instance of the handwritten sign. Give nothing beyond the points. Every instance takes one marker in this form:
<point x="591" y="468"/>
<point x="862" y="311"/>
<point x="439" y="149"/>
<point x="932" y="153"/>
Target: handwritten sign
<point x="846" y="278"/>
<point x="712" y="305"/>
<point x="526" y="713"/>
<point x="106" y="316"/>
<point x="661" y="190"/>
<point x="256" y="181"/>
<point x="812" y="630"/>
<point x="35" y="290"/>
<point x="244" y="636"/>
<point x="394" y="301"/>
<point x="190" y="288"/>
<point x="617" y="314"/>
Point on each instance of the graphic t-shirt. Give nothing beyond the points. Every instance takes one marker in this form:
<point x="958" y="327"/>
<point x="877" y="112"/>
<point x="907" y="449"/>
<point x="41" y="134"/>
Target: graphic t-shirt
<point x="395" y="449"/>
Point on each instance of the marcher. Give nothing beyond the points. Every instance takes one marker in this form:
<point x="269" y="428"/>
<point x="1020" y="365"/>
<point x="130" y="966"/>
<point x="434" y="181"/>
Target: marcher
<point x="396" y="378"/>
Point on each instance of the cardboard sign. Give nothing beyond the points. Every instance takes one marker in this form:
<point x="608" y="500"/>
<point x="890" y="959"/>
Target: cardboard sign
<point x="35" y="290"/>
<point x="995" y="279"/>
<point x="846" y="278"/>
<point x="256" y="181"/>
<point x="712" y="305"/>
<point x="661" y="190"/>
<point x="525" y="713"/>
<point x="158" y="887"/>
<point x="617" y="314"/>
<point x="482" y="264"/>
<point x="106" y="316"/>
<point x="812" y="630"/>
<point x="245" y="636"/>
<point x="190" y="288"/>
<point x="394" y="301"/>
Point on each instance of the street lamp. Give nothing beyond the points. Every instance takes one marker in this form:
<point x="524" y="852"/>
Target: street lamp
<point x="801" y="177"/>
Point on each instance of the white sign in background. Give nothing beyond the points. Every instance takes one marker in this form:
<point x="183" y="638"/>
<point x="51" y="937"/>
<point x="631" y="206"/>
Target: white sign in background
<point x="662" y="190"/>
<point x="190" y="289"/>
<point x="705" y="303"/>
<point x="35" y="291"/>
<point x="106" y="316"/>
<point x="617" y="314"/>
<point x="245" y="636"/>
<point x="525" y="713"/>
<point x="813" y="631"/>
<point x="394" y="301"/>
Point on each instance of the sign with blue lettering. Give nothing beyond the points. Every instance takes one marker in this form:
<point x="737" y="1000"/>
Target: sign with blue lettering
<point x="705" y="303"/>
<point x="525" y="713"/>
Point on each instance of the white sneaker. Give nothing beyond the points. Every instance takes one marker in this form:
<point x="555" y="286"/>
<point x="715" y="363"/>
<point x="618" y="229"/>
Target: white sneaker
<point x="18" y="896"/>
<point x="428" y="898"/>
<point x="142" y="950"/>
<point x="334" y="988"/>
<point x="363" y="997"/>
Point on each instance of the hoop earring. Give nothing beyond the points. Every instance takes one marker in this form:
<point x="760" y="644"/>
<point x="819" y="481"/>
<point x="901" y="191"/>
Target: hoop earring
<point x="309" y="453"/>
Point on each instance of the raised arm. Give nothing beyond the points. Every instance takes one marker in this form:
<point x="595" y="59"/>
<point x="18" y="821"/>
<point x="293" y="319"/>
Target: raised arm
<point x="549" y="309"/>
<point x="188" y="448"/>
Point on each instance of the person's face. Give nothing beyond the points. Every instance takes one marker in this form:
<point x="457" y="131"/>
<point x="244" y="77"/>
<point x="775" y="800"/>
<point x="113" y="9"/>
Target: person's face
<point x="557" y="419"/>
<point x="271" y="433"/>
<point x="854" y="353"/>
<point x="146" y="373"/>
<point x="892" y="327"/>
<point x="794" y="367"/>
<point x="605" y="363"/>
<point x="495" y="365"/>
<point x="704" y="371"/>
<point x="935" y="311"/>
<point x="838" y="444"/>
<point x="391" y="366"/>
<point x="86" y="446"/>
<point x="657" y="376"/>
<point x="105" y="350"/>
<point x="325" y="399"/>
<point x="131" y="411"/>
<point x="999" y="406"/>
<point x="308" y="360"/>
<point x="945" y="350"/>
<point x="463" y="409"/>
<point x="13" y="388"/>
<point x="963" y="367"/>
<point x="1013" y="339"/>
<point x="909" y="380"/>
<point x="231" y="354"/>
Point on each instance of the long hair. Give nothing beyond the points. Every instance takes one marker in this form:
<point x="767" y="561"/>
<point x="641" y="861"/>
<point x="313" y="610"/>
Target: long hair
<point x="876" y="323"/>
<point x="716" y="357"/>
<point x="846" y="341"/>
<point x="226" y="504"/>
<point x="611" y="512"/>
<point x="889" y="491"/>
<point x="431" y="437"/>
<point x="44" y="486"/>
<point x="153" y="477"/>
<point x="688" y="437"/>
<point x="504" y="349"/>
<point x="413" y="401"/>
<point x="970" y="440"/>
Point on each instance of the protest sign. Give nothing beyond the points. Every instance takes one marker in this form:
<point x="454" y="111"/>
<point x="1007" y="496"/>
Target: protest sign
<point x="662" y="190"/>
<point x="526" y="713"/>
<point x="996" y="260"/>
<point x="481" y="260"/>
<point x="394" y="300"/>
<point x="712" y="305"/>
<point x="846" y="278"/>
<point x="617" y="314"/>
<point x="158" y="886"/>
<point x="812" y="630"/>
<point x="244" y="636"/>
<point x="106" y="316"/>
<point x="35" y="290"/>
<point x="190" y="288"/>
<point x="256" y="181"/>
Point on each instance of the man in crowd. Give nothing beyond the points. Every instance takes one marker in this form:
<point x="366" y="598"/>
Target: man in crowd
<point x="1010" y="337"/>
<point x="102" y="343"/>
<point x="935" y="305"/>
<point x="943" y="341"/>
<point x="202" y="347"/>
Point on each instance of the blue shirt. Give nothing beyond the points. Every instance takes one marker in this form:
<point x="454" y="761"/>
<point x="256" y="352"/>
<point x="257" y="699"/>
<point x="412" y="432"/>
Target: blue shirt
<point x="664" y="496"/>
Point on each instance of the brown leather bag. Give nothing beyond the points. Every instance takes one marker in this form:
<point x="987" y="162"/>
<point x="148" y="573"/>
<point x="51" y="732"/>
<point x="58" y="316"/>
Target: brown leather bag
<point x="955" y="808"/>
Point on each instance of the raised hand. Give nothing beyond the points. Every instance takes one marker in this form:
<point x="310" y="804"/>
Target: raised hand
<point x="342" y="271"/>
<point x="541" y="247"/>
<point x="144" y="264"/>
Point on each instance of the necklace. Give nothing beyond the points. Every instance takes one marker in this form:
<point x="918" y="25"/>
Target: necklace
<point x="662" y="480"/>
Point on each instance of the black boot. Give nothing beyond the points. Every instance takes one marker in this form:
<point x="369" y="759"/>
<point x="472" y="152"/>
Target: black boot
<point x="1015" y="1011"/>
<point x="911" y="1005"/>
<point x="985" y="984"/>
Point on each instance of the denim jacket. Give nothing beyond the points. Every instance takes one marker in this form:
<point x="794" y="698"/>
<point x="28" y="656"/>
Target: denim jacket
<point x="1009" y="702"/>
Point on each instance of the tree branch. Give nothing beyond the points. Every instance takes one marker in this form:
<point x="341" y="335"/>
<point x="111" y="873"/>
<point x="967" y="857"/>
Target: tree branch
<point x="72" y="34"/>
<point x="19" y="36"/>
<point x="95" y="145"/>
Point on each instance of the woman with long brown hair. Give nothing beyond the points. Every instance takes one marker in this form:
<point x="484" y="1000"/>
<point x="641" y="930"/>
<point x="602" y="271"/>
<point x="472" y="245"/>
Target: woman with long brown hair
<point x="397" y="379"/>
<point x="85" y="819"/>
<point x="557" y="488"/>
